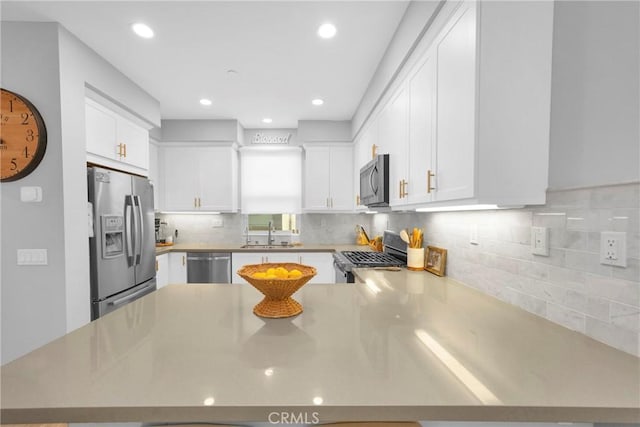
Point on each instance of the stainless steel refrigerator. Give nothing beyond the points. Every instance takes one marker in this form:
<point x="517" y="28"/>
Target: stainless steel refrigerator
<point x="122" y="245"/>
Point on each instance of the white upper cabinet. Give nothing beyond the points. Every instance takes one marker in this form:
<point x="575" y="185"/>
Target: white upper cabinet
<point x="154" y="176"/>
<point x="115" y="141"/>
<point x="365" y="146"/>
<point x="422" y="130"/>
<point x="467" y="120"/>
<point x="392" y="133"/>
<point x="199" y="177"/>
<point x="328" y="174"/>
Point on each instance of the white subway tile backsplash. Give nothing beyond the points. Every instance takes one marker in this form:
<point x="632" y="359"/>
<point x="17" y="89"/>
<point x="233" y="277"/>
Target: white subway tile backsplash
<point x="598" y="308"/>
<point x="613" y="335"/>
<point x="570" y="286"/>
<point x="577" y="240"/>
<point x="625" y="316"/>
<point x="568" y="318"/>
<point x="630" y="272"/>
<point x="623" y="291"/>
<point x="533" y="269"/>
<point x="531" y="304"/>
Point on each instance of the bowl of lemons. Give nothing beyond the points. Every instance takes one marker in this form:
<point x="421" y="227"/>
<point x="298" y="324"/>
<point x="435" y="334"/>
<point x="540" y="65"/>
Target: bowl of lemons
<point x="277" y="282"/>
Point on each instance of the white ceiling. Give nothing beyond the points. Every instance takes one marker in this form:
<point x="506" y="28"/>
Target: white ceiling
<point x="281" y="63"/>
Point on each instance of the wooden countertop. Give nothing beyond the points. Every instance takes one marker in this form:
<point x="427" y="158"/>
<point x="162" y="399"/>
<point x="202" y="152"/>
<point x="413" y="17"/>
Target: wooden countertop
<point x="396" y="346"/>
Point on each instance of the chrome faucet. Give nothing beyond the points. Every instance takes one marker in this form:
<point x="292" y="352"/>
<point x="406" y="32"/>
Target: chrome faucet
<point x="270" y="240"/>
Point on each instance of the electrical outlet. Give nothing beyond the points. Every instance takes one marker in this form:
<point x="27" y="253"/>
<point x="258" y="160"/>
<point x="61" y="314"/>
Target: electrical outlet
<point x="217" y="221"/>
<point x="613" y="248"/>
<point x="540" y="241"/>
<point x="32" y="257"/>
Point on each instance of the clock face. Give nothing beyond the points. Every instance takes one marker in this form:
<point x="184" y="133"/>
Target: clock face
<point x="23" y="137"/>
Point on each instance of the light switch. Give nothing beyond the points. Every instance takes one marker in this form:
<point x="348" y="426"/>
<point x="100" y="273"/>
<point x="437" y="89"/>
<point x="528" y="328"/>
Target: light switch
<point x="540" y="241"/>
<point x="32" y="257"/>
<point x="473" y="234"/>
<point x="30" y="194"/>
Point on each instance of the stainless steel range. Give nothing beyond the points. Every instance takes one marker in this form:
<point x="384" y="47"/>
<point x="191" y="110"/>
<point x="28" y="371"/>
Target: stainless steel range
<point x="393" y="255"/>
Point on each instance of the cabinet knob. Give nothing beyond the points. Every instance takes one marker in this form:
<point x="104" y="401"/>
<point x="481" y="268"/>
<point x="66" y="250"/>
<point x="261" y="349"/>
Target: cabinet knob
<point x="357" y="200"/>
<point x="125" y="150"/>
<point x="184" y="261"/>
<point x="374" y="151"/>
<point x="157" y="268"/>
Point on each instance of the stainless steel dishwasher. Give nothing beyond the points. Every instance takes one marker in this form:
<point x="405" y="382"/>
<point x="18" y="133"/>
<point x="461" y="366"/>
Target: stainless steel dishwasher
<point x="208" y="267"/>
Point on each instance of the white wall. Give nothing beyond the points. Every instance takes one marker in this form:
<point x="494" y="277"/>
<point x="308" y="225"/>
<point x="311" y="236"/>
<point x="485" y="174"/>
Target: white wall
<point x="595" y="116"/>
<point x="52" y="68"/>
<point x="324" y="131"/>
<point x="199" y="130"/>
<point x="33" y="297"/>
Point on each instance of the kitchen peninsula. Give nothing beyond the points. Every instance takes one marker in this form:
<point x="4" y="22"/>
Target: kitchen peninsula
<point x="394" y="346"/>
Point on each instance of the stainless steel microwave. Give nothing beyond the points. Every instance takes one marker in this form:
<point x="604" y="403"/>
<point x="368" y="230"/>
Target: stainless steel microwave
<point x="374" y="182"/>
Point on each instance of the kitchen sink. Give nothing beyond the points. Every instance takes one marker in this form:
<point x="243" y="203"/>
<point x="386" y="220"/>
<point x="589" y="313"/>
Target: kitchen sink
<point x="254" y="246"/>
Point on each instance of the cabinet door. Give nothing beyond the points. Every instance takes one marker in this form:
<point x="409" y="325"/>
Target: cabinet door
<point x="177" y="267"/>
<point x="317" y="174"/>
<point x="362" y="155"/>
<point x="216" y="169"/>
<point x="239" y="259"/>
<point x="393" y="134"/>
<point x="456" y="83"/>
<point x="179" y="178"/>
<point x="323" y="262"/>
<point x="154" y="176"/>
<point x="136" y="143"/>
<point x="162" y="270"/>
<point x="422" y="97"/>
<point x="340" y="176"/>
<point x="100" y="130"/>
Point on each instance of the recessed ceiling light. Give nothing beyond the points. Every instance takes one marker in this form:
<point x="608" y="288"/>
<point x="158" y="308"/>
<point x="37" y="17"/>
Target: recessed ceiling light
<point x="206" y="102"/>
<point x="317" y="101"/>
<point x="267" y="120"/>
<point x="327" y="30"/>
<point x="143" y="30"/>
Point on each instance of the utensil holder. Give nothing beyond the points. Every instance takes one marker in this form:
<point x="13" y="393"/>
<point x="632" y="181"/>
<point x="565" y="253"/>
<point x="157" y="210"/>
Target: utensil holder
<point x="415" y="259"/>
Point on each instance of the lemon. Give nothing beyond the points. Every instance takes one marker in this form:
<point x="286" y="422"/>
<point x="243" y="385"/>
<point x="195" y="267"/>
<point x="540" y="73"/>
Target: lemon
<point x="282" y="272"/>
<point x="260" y="275"/>
<point x="271" y="276"/>
<point x="271" y="271"/>
<point x="295" y="273"/>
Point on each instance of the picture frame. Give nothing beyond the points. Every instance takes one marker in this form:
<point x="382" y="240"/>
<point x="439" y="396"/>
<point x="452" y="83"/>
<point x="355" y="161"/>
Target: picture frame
<point x="435" y="260"/>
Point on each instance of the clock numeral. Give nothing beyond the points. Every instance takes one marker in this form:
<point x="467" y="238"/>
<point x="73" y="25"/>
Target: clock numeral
<point x="26" y="152"/>
<point x="30" y="136"/>
<point x="14" y="165"/>
<point x="25" y="118"/>
<point x="11" y="105"/>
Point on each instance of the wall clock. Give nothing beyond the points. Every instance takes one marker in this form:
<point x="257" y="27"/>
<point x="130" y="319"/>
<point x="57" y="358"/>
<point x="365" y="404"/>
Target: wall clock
<point x="23" y="137"/>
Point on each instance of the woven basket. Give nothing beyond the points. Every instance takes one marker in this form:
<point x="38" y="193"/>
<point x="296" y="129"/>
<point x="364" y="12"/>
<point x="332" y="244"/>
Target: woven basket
<point x="277" y="301"/>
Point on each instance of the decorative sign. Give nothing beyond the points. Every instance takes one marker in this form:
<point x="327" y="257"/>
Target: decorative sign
<point x="261" y="138"/>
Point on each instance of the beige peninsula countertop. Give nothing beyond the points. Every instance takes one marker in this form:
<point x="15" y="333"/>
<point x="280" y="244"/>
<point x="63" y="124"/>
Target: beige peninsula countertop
<point x="396" y="346"/>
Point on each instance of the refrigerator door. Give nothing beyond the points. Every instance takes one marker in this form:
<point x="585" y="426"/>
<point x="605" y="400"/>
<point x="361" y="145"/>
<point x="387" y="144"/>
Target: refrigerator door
<point x="100" y="308"/>
<point x="111" y="248"/>
<point x="144" y="239"/>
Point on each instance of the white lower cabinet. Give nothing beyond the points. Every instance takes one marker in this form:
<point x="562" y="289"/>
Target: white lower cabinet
<point x="177" y="267"/>
<point x="322" y="261"/>
<point x="162" y="270"/>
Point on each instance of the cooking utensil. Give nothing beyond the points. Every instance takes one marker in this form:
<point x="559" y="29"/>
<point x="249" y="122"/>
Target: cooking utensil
<point x="404" y="236"/>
